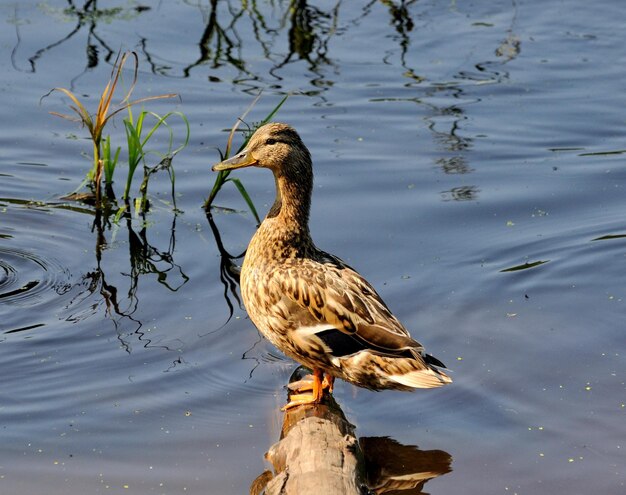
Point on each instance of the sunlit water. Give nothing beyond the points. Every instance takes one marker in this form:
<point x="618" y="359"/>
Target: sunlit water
<point x="469" y="162"/>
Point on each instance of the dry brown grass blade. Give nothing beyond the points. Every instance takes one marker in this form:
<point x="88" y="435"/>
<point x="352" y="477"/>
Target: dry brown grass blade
<point x="239" y="121"/>
<point x="79" y="109"/>
<point x="67" y="117"/>
<point x="97" y="122"/>
<point x="103" y="106"/>
<point x="102" y="114"/>
<point x="141" y="100"/>
<point x="135" y="74"/>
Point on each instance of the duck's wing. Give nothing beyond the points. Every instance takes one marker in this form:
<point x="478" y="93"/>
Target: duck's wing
<point x="339" y="302"/>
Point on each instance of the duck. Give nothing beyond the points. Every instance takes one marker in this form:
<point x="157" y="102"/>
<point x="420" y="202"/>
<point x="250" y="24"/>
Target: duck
<point x="310" y="304"/>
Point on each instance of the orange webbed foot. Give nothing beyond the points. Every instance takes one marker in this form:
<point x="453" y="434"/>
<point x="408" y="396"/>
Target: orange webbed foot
<point x="317" y="387"/>
<point x="299" y="400"/>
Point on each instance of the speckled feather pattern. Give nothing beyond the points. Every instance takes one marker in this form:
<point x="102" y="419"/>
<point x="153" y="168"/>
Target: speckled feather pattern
<point x="292" y="290"/>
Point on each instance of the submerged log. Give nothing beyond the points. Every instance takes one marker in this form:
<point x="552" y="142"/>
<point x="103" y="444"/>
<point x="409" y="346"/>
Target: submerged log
<point x="319" y="453"/>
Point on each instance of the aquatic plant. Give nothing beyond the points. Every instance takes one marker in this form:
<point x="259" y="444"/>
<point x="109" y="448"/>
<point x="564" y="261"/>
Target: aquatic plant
<point x="109" y="163"/>
<point x="224" y="175"/>
<point x="137" y="151"/>
<point x="104" y="162"/>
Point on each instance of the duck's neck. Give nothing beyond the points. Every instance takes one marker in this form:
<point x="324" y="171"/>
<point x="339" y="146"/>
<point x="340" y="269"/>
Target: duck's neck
<point x="288" y="218"/>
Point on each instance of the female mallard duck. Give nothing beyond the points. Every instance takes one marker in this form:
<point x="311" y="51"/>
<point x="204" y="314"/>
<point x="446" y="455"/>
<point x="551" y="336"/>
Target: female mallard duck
<point x="310" y="304"/>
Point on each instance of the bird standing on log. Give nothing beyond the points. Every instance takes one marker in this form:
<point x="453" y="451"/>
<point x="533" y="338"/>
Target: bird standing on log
<point x="310" y="304"/>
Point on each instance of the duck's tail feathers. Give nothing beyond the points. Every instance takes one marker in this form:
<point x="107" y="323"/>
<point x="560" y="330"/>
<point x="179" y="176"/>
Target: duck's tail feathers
<point x="432" y="360"/>
<point x="429" y="377"/>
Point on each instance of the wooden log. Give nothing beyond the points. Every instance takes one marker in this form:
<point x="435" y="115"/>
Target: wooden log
<point x="319" y="453"/>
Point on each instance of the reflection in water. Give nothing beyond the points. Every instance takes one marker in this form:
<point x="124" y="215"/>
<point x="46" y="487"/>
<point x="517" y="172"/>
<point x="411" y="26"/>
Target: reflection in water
<point x="303" y="27"/>
<point x="219" y="44"/>
<point x="393" y="467"/>
<point x="402" y="20"/>
<point x="445" y="124"/>
<point x="86" y="16"/>
<point x="445" y="120"/>
<point x="229" y="276"/>
<point x="144" y="259"/>
<point x="227" y="24"/>
<point x="383" y="464"/>
<point x="461" y="193"/>
<point x="229" y="270"/>
<point x="309" y="34"/>
<point x="454" y="165"/>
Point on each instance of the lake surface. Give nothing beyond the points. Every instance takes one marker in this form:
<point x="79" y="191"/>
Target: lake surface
<point x="470" y="161"/>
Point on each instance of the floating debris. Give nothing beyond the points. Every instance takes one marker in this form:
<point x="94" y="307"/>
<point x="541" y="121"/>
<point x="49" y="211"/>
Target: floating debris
<point x="524" y="266"/>
<point x="609" y="237"/>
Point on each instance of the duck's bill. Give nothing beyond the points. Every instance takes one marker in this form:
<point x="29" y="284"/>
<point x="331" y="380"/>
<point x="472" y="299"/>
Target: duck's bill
<point x="240" y="160"/>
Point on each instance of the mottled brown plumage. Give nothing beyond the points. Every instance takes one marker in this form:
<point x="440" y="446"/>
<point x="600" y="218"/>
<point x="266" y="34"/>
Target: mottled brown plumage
<point x="310" y="304"/>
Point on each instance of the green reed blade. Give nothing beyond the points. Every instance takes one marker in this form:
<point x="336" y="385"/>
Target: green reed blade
<point x="108" y="161"/>
<point x="246" y="197"/>
<point x="270" y="116"/>
<point x="137" y="144"/>
<point x="135" y="154"/>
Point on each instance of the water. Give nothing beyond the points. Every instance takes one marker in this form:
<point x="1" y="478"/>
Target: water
<point x="452" y="142"/>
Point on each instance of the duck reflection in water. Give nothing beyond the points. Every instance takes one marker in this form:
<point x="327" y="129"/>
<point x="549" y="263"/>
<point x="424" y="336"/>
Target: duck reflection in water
<point x="394" y="467"/>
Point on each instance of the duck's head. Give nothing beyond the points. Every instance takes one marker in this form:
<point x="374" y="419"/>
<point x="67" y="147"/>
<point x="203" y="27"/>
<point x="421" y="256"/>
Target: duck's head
<point x="275" y="146"/>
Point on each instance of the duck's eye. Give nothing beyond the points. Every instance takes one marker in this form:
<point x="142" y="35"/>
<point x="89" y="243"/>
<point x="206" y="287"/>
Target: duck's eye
<point x="270" y="141"/>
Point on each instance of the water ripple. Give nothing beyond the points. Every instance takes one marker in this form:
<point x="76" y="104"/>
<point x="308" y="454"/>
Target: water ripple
<point x="28" y="279"/>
